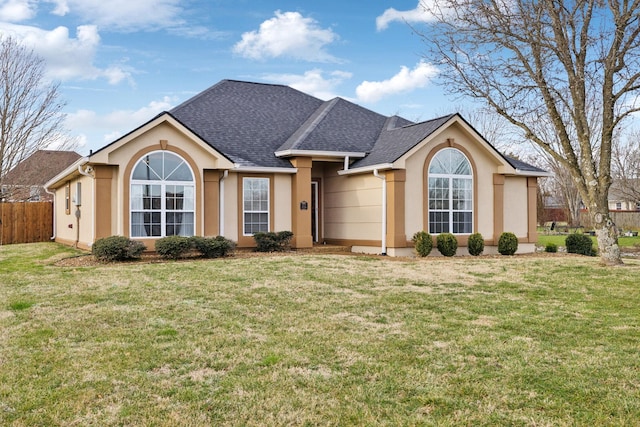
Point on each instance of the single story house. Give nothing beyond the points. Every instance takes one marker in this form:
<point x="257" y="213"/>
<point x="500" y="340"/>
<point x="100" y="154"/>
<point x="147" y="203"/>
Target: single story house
<point x="244" y="157"/>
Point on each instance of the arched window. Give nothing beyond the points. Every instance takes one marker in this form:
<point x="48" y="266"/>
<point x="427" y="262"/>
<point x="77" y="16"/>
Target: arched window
<point x="162" y="196"/>
<point x="450" y="193"/>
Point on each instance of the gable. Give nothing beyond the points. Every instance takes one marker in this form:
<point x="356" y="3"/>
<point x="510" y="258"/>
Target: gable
<point x="162" y="131"/>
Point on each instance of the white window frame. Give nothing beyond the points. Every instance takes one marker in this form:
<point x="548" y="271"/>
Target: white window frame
<point x="163" y="210"/>
<point x="260" y="211"/>
<point x="450" y="177"/>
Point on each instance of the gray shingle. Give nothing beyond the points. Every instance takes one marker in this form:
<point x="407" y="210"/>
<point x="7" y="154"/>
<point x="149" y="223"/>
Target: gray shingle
<point x="394" y="142"/>
<point x="247" y="121"/>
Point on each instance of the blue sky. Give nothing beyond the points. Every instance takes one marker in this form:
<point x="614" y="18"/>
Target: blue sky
<point x="121" y="62"/>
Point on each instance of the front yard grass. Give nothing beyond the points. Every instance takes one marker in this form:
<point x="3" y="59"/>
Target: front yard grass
<point x="318" y="340"/>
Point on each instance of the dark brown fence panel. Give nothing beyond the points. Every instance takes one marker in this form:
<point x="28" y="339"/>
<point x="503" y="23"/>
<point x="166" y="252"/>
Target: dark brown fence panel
<point x="26" y="222"/>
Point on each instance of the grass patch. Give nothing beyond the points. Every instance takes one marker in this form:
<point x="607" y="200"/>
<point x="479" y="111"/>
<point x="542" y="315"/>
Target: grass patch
<point x="20" y="305"/>
<point x="559" y="239"/>
<point x="319" y="340"/>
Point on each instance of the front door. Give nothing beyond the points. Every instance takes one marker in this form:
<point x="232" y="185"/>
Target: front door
<point x="315" y="219"/>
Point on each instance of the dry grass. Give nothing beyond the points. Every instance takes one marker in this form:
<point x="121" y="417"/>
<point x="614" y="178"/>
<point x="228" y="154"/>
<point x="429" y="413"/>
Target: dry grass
<point x="318" y="340"/>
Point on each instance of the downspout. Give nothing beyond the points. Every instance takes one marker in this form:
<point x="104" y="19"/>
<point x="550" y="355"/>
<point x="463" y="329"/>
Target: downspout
<point x="384" y="210"/>
<point x="93" y="217"/>
<point x="53" y="197"/>
<point x="225" y="174"/>
<point x="346" y="163"/>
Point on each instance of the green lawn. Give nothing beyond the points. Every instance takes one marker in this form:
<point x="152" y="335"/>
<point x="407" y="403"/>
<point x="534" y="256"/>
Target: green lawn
<point x="559" y="240"/>
<point x="318" y="340"/>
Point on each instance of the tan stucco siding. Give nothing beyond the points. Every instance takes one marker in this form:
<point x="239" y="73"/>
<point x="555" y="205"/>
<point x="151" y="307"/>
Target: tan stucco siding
<point x="230" y="207"/>
<point x="484" y="166"/>
<point x="152" y="138"/>
<point x="282" y="202"/>
<point x="70" y="229"/>
<point x="516" y="208"/>
<point x="352" y="207"/>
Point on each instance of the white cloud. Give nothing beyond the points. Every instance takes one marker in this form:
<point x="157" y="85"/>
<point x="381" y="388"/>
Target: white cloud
<point x="107" y="128"/>
<point x="312" y="82"/>
<point x="405" y="81"/>
<point x="16" y="10"/>
<point x="67" y="57"/>
<point x="413" y="16"/>
<point x="61" y="7"/>
<point x="123" y="15"/>
<point x="288" y="34"/>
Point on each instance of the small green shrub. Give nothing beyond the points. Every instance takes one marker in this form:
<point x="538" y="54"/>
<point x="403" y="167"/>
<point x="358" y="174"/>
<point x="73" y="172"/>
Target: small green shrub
<point x="447" y="244"/>
<point x="551" y="247"/>
<point x="173" y="247"/>
<point x="117" y="248"/>
<point x="213" y="247"/>
<point x="273" y="242"/>
<point x="579" y="244"/>
<point x="507" y="243"/>
<point x="475" y="244"/>
<point x="423" y="243"/>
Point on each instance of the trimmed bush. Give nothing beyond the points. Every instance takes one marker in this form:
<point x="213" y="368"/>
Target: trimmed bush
<point x="173" y="247"/>
<point x="423" y="243"/>
<point x="475" y="244"/>
<point x="551" y="247"/>
<point x="273" y="242"/>
<point x="117" y="248"/>
<point x="447" y="244"/>
<point x="507" y="243"/>
<point x="212" y="247"/>
<point x="579" y="244"/>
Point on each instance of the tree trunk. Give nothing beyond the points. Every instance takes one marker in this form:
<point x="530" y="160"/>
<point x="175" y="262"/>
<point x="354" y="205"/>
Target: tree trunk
<point x="607" y="235"/>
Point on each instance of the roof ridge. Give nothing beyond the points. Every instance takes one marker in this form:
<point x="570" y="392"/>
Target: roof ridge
<point x="320" y="113"/>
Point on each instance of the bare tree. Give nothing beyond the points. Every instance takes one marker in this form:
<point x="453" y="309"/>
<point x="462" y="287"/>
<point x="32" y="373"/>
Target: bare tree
<point x="626" y="168"/>
<point x="573" y="67"/>
<point x="31" y="115"/>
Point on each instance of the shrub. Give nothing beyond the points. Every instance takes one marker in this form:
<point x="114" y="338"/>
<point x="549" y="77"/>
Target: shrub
<point x="173" y="247"/>
<point x="507" y="243"/>
<point x="212" y="247"/>
<point x="579" y="244"/>
<point x="551" y="247"/>
<point x="117" y="248"/>
<point x="447" y="244"/>
<point x="423" y="243"/>
<point x="475" y="244"/>
<point x="273" y="242"/>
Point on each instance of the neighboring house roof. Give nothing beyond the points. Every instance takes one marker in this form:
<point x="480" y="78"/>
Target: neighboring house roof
<point x="40" y="167"/>
<point x="258" y="125"/>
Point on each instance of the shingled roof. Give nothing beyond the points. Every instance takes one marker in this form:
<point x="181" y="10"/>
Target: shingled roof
<point x="40" y="167"/>
<point x="246" y="121"/>
<point x="252" y="124"/>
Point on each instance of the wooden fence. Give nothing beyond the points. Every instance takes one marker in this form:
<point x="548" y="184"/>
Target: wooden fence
<point x="26" y="222"/>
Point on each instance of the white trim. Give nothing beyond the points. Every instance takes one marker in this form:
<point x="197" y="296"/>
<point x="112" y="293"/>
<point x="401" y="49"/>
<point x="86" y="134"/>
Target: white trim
<point x="520" y="172"/>
<point x="366" y="169"/>
<point x="450" y="177"/>
<point x="162" y="183"/>
<point x="319" y="153"/>
<point x="245" y="211"/>
<point x="258" y="169"/>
